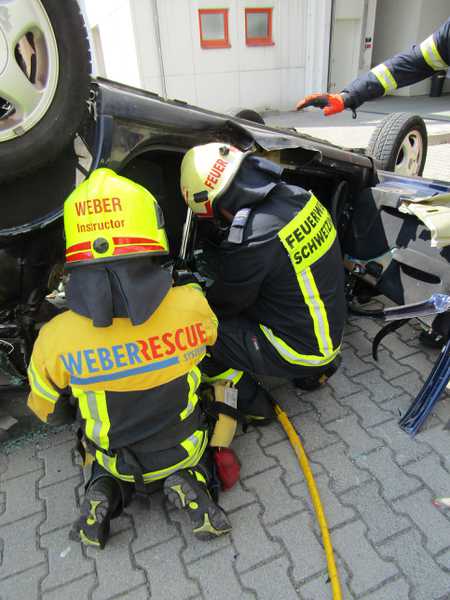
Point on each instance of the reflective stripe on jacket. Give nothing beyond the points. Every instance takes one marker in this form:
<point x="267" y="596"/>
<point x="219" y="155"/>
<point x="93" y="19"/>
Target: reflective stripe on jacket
<point x="287" y="275"/>
<point x="307" y="238"/>
<point x="135" y="386"/>
<point x="403" y="69"/>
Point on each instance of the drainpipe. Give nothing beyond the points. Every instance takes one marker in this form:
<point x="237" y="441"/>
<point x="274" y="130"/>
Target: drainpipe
<point x="330" y="47"/>
<point x="159" y="46"/>
<point x="363" y="36"/>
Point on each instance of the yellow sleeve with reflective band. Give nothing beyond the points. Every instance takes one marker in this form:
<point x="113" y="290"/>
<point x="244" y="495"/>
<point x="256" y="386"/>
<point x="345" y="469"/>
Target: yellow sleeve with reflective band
<point x="431" y="54"/>
<point x="210" y="319"/>
<point x="195" y="286"/>
<point x="43" y="395"/>
<point x="385" y="77"/>
<point x="232" y="375"/>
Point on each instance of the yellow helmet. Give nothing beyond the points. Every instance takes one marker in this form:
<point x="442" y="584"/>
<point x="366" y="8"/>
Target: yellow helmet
<point x="206" y="173"/>
<point x="108" y="217"/>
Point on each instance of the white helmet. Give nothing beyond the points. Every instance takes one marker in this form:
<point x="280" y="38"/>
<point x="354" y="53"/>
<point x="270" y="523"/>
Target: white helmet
<point x="206" y="173"/>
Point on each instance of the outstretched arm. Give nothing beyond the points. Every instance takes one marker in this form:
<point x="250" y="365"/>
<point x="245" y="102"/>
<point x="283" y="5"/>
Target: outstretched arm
<point x="403" y="69"/>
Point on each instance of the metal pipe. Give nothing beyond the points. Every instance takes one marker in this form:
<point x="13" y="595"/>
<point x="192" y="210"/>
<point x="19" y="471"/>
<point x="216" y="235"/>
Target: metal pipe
<point x="434" y="305"/>
<point x="186" y="236"/>
<point x="330" y="46"/>
<point x="159" y="45"/>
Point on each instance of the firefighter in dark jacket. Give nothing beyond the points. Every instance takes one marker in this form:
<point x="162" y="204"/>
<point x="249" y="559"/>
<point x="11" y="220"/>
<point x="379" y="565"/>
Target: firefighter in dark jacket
<point x="279" y="290"/>
<point x="422" y="61"/>
<point x="126" y="354"/>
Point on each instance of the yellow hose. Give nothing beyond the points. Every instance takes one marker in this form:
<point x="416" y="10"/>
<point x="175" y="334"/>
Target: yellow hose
<point x="314" y="493"/>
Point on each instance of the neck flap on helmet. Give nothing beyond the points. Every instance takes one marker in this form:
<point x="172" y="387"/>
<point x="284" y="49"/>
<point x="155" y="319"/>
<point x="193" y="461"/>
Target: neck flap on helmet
<point x="126" y="288"/>
<point x="255" y="179"/>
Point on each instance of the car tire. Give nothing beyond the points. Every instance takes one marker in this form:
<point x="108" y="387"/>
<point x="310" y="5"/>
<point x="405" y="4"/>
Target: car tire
<point x="36" y="140"/>
<point x="250" y="115"/>
<point x="400" y="144"/>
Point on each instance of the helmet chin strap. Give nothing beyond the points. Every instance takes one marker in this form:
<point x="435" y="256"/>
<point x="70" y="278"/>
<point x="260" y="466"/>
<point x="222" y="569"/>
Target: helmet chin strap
<point x="221" y="222"/>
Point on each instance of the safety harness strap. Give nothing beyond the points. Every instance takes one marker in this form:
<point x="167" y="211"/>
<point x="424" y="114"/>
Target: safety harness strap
<point x="85" y="446"/>
<point x="213" y="409"/>
<point x="236" y="233"/>
<point x="136" y="469"/>
<point x="80" y="447"/>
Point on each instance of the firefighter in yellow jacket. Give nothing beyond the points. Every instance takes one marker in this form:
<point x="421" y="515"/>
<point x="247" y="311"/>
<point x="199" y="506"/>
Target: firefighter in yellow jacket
<point x="126" y="354"/>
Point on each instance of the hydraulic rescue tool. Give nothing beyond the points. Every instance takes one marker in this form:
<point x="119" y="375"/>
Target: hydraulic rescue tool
<point x="395" y="317"/>
<point x="415" y="416"/>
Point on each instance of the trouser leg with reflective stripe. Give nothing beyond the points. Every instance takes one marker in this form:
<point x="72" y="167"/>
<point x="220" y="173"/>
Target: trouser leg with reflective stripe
<point x="236" y="344"/>
<point x="242" y="345"/>
<point x="124" y="489"/>
<point x="253" y="400"/>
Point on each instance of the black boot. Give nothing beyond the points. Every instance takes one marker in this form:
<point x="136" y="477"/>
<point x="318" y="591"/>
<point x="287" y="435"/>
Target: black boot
<point x="308" y="384"/>
<point x="100" y="503"/>
<point x="188" y="489"/>
<point x="254" y="402"/>
<point x="313" y="382"/>
<point x="431" y="339"/>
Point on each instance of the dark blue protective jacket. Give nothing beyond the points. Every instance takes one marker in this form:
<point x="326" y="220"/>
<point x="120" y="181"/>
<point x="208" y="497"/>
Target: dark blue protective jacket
<point x="422" y="60"/>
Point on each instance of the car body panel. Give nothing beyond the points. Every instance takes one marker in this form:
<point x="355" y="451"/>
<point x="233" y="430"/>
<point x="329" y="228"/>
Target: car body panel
<point x="125" y="122"/>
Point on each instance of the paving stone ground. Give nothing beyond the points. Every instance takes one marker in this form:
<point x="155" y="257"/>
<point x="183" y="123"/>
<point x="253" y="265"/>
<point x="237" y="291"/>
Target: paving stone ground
<point x="376" y="483"/>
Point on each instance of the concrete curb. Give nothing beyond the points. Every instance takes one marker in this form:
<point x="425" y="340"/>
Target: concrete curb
<point x="438" y="138"/>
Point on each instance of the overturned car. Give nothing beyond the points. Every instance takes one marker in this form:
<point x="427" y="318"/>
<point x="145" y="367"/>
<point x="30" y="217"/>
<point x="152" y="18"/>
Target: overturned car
<point x="387" y="248"/>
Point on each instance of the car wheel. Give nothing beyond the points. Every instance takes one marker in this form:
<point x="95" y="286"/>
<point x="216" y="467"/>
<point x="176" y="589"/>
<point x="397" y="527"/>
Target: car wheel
<point x="250" y="115"/>
<point x="400" y="143"/>
<point x="45" y="70"/>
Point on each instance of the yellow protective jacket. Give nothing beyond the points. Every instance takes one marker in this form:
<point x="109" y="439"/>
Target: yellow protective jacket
<point x="135" y="386"/>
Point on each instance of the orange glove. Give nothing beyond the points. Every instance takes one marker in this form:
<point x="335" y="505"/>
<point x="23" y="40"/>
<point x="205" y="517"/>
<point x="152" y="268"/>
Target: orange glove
<point x="331" y="103"/>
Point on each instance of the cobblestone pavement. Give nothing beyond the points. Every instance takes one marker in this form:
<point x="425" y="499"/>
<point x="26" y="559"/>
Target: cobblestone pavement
<point x="376" y="483"/>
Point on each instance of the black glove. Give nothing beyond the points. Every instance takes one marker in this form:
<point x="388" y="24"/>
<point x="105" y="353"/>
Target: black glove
<point x="184" y="277"/>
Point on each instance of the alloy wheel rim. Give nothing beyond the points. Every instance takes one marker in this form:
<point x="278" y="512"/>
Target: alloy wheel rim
<point x="409" y="156"/>
<point x="29" y="66"/>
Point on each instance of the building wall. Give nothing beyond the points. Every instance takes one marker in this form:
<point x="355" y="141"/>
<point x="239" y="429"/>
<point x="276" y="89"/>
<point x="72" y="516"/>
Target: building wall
<point x="223" y="79"/>
<point x="433" y="13"/>
<point x="402" y="23"/>
<point x="148" y="52"/>
<point x="350" y="54"/>
<point x="116" y="32"/>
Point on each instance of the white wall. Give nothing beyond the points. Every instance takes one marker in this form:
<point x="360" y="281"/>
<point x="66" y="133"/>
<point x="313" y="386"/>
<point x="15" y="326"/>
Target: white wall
<point x="113" y="18"/>
<point x="433" y="13"/>
<point x="401" y="23"/>
<point x="222" y="79"/>
<point x="240" y="76"/>
<point x="318" y="35"/>
<point x="146" y="41"/>
<point x="354" y="20"/>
